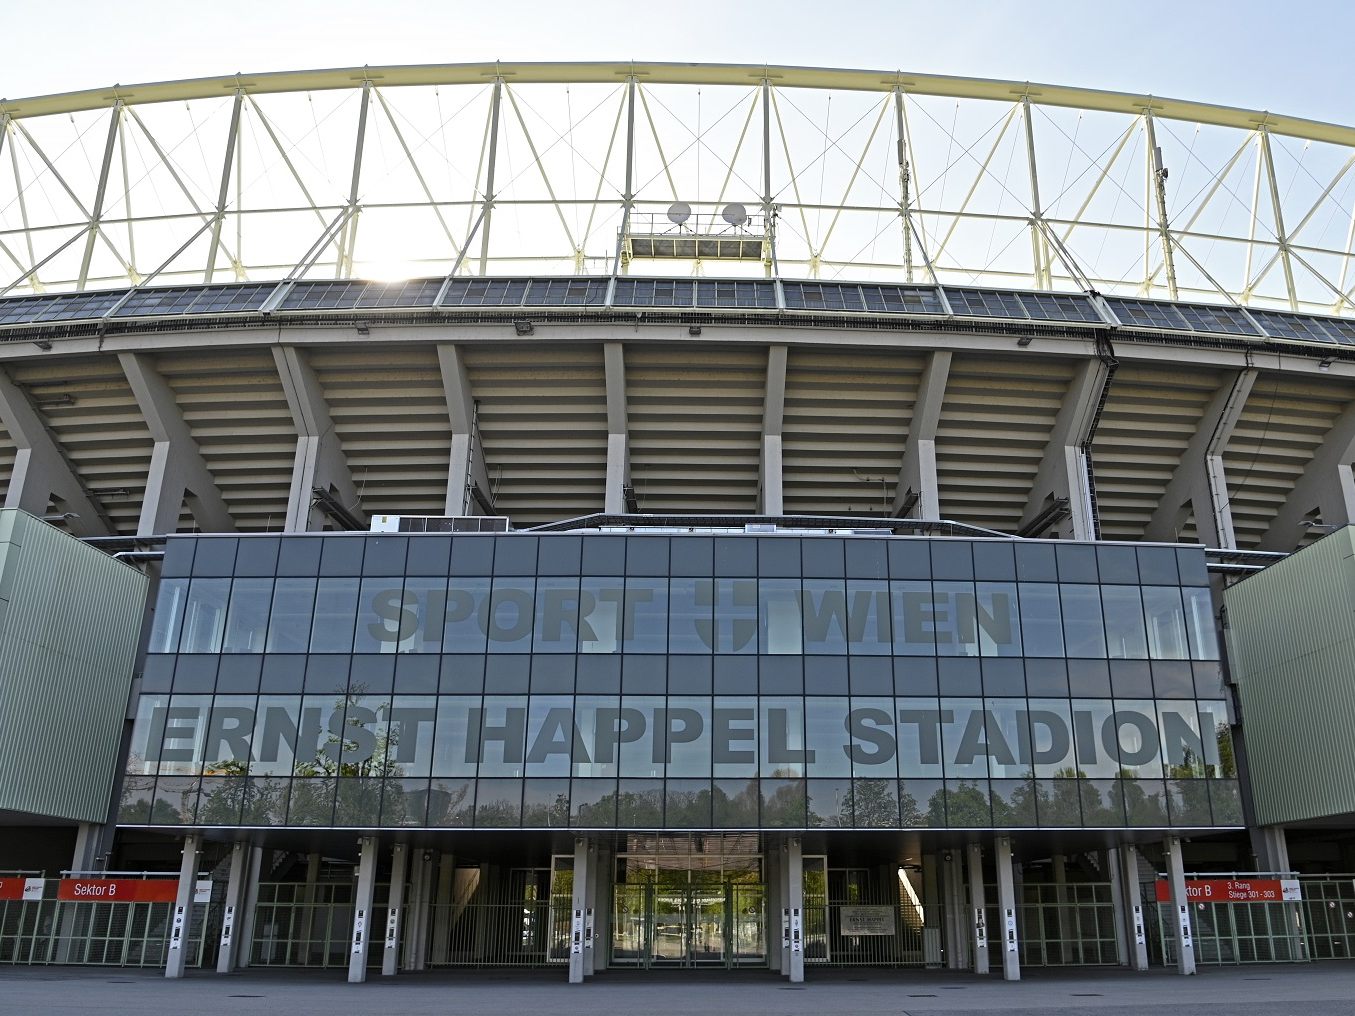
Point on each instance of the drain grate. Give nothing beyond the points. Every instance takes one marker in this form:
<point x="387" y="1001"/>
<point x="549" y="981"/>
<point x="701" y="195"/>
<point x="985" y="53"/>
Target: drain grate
<point x="921" y="996"/>
<point x="1087" y="994"/>
<point x="246" y="996"/>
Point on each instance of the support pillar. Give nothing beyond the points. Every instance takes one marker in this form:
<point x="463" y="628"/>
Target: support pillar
<point x="1135" y="930"/>
<point x="775" y="902"/>
<point x="771" y="490"/>
<point x="251" y="905"/>
<point x="917" y="495"/>
<point x="1112" y="866"/>
<point x="177" y="958"/>
<point x="1061" y="907"/>
<point x="579" y="921"/>
<point x="783" y="892"/>
<point x="362" y="910"/>
<point x="1062" y="474"/>
<point x="1272" y="849"/>
<point x="1006" y="901"/>
<point x="795" y="900"/>
<point x="319" y="460"/>
<point x="230" y="916"/>
<point x="1176" y="878"/>
<point x="416" y="911"/>
<point x="444" y="895"/>
<point x="957" y="914"/>
<point x="978" y="908"/>
<point x="467" y="477"/>
<point x="618" y="430"/>
<point x="390" y="956"/>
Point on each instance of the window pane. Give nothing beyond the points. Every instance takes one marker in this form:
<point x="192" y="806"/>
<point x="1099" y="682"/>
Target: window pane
<point x="1083" y="632"/>
<point x="336" y="608"/>
<point x="689" y="621"/>
<point x="247" y="621"/>
<point x="1166" y="623"/>
<point x="782" y="722"/>
<point x="557" y="614"/>
<point x="999" y="629"/>
<point x="600" y="615"/>
<point x="645" y="625"/>
<point x="1041" y="629"/>
<point x="868" y="628"/>
<point x="463" y="629"/>
<point x="824" y="605"/>
<point x="687" y="726"/>
<point x="913" y="624"/>
<point x="456" y="745"/>
<point x="289" y="622"/>
<point x="1125" y="639"/>
<point x="734" y="737"/>
<point x="1200" y="624"/>
<point x="169" y="606"/>
<point x="384" y="616"/>
<point x="508" y="620"/>
<point x="205" y="616"/>
<point x="825" y="736"/>
<point x="963" y="737"/>
<point x="780" y="616"/>
<point x="919" y="741"/>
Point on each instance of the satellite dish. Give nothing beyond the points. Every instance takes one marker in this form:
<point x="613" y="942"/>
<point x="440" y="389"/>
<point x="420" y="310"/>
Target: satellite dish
<point x="734" y="214"/>
<point x="679" y="212"/>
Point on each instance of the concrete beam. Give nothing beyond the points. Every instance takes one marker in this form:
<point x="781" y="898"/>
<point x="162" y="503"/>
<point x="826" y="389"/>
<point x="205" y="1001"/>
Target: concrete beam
<point x="771" y="482"/>
<point x="1326" y="488"/>
<point x="618" y="429"/>
<point x="1063" y="467"/>
<point x="178" y="472"/>
<point x="467" y="466"/>
<point x="41" y="470"/>
<point x="1199" y="482"/>
<point x="319" y="459"/>
<point x="918" y="472"/>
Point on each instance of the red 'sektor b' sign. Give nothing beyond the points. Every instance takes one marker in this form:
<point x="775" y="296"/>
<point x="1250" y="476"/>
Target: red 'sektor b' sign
<point x="1233" y="890"/>
<point x="118" y="890"/>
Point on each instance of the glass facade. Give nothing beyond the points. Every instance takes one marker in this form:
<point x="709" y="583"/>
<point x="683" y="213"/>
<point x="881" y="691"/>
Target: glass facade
<point x="680" y="681"/>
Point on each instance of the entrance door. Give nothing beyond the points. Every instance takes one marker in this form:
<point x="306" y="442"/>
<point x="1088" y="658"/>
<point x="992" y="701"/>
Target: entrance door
<point x="689" y="925"/>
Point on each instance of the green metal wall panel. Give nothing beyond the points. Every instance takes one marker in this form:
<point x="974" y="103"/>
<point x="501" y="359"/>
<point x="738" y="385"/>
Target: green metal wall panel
<point x="70" y="619"/>
<point x="1291" y="642"/>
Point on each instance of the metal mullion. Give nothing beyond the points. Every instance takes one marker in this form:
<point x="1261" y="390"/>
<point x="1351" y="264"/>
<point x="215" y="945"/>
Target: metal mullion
<point x="232" y="140"/>
<point x="343" y="268"/>
<point x="487" y="212"/>
<point x="101" y="188"/>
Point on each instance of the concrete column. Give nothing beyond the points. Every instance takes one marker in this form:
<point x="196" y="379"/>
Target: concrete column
<point x="934" y="910"/>
<point x="41" y="470"/>
<point x="590" y="915"/>
<point x="578" y="964"/>
<point x="1061" y="900"/>
<point x="978" y="904"/>
<point x="390" y="956"/>
<point x="1199" y="483"/>
<point x="771" y="491"/>
<point x="795" y="900"/>
<point x="1062" y="473"/>
<point x="775" y="936"/>
<point x="416" y="909"/>
<point x="958" y="918"/>
<point x="601" y="881"/>
<point x="250" y="907"/>
<point x="362" y="910"/>
<point x="308" y="915"/>
<point x="917" y="475"/>
<point x="1324" y="491"/>
<point x="466" y="472"/>
<point x="178" y="475"/>
<point x="783" y="881"/>
<point x="230" y="918"/>
<point x="1176" y="878"/>
<point x="1111" y="865"/>
<point x="443" y="893"/>
<point x="618" y="429"/>
<point x="1133" y="920"/>
<point x="182" y="920"/>
<point x="319" y="460"/>
<point x="1272" y="849"/>
<point x="1006" y="901"/>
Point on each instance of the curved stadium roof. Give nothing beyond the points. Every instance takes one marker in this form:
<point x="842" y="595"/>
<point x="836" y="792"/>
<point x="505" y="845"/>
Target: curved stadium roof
<point x="197" y="278"/>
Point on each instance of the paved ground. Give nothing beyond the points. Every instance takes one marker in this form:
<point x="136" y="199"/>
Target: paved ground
<point x="1319" y="990"/>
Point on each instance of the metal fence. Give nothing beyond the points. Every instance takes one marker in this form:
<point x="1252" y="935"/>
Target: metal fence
<point x="1063" y="924"/>
<point x="857" y="917"/>
<point x="50" y="930"/>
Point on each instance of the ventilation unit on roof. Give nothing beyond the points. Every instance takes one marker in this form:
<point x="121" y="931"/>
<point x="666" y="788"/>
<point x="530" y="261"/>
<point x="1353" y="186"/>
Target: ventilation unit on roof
<point x="440" y="524"/>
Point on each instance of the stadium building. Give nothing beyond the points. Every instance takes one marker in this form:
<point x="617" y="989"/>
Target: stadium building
<point x="654" y="516"/>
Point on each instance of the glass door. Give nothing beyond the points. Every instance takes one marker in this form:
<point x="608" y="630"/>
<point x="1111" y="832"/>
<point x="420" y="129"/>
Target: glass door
<point x="671" y="922"/>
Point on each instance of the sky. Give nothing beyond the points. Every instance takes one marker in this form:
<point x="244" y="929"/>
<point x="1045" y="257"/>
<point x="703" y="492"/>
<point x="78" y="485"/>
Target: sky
<point x="1291" y="58"/>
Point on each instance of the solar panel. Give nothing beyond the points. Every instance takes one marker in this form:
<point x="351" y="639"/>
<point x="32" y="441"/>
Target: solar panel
<point x="1300" y="327"/>
<point x="25" y="308"/>
<point x="485" y="293"/>
<point x="1147" y="314"/>
<point x="822" y="296"/>
<point x="566" y="292"/>
<point x="745" y="295"/>
<point x="235" y="299"/>
<point x="353" y="295"/>
<point x="985" y="303"/>
<point x="653" y="293"/>
<point x="1223" y="320"/>
<point x="902" y="299"/>
<point x="1059" y="307"/>
<point x="1341" y="329"/>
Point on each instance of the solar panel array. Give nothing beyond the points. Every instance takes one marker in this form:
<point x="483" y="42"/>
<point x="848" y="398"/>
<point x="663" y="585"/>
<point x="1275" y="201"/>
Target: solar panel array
<point x="320" y="297"/>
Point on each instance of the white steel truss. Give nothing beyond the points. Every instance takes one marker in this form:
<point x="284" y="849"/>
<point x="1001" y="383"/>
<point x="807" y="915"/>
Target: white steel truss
<point x="498" y="169"/>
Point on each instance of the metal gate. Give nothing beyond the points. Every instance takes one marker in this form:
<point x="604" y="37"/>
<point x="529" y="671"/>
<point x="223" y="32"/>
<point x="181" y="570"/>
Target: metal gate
<point x="1227" y="934"/>
<point x="1063" y="924"/>
<point x="520" y="921"/>
<point x="50" y="930"/>
<point x="858" y="917"/>
<point x="1329" y="917"/>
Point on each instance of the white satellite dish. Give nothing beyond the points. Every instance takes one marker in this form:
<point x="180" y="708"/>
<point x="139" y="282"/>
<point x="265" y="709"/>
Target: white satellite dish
<point x="734" y="214"/>
<point x="679" y="212"/>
